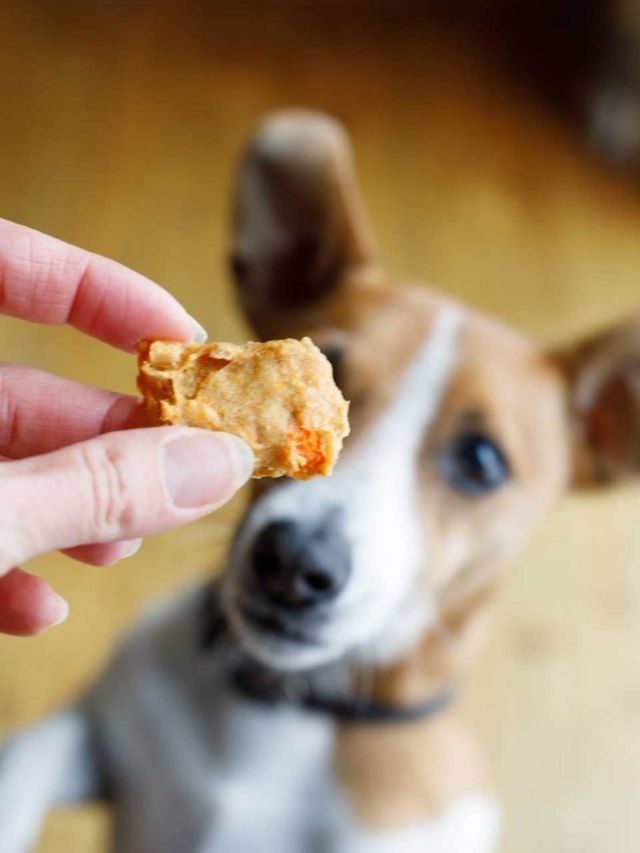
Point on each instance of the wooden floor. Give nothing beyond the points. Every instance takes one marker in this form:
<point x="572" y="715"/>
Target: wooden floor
<point x="120" y="127"/>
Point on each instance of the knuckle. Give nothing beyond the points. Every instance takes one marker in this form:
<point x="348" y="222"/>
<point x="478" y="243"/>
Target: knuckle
<point x="112" y="504"/>
<point x="7" y="413"/>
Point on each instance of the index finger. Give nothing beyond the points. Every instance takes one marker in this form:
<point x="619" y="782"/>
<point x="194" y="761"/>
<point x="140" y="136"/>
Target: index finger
<point x="47" y="281"/>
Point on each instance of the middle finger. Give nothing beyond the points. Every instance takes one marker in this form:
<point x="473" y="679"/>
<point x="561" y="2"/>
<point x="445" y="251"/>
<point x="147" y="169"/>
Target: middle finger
<point x="40" y="412"/>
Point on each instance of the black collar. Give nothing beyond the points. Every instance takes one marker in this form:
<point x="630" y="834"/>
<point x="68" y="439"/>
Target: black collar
<point x="349" y="710"/>
<point x="269" y="687"/>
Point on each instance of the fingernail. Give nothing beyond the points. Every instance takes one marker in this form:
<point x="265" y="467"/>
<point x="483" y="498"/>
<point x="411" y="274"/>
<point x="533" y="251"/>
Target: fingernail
<point x="206" y="469"/>
<point x="59" y="608"/>
<point x="133" y="549"/>
<point x="199" y="332"/>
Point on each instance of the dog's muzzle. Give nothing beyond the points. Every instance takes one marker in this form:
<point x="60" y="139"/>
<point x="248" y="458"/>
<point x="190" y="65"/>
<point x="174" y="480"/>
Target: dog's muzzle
<point x="283" y="592"/>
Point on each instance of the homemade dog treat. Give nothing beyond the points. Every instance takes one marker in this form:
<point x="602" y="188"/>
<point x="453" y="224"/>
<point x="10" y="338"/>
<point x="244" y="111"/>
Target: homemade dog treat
<point x="278" y="396"/>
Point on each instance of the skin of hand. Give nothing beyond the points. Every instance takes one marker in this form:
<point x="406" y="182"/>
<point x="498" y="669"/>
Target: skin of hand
<point x="77" y="474"/>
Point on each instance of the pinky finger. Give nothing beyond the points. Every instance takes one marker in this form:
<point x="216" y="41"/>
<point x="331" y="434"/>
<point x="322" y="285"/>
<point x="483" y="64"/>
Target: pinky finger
<point x="106" y="554"/>
<point x="28" y="605"/>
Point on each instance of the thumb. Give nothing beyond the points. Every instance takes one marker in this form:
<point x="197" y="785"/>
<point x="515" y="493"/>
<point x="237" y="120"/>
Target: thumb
<point x="121" y="485"/>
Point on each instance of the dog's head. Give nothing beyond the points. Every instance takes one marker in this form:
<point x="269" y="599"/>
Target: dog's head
<point x="463" y="431"/>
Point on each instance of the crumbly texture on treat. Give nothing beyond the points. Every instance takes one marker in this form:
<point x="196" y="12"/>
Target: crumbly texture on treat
<point x="279" y="396"/>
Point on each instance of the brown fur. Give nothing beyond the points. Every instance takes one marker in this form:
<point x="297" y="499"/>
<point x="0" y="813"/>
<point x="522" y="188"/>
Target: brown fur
<point x="403" y="774"/>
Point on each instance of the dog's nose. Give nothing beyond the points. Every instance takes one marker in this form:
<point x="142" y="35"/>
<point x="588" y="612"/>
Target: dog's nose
<point x="296" y="567"/>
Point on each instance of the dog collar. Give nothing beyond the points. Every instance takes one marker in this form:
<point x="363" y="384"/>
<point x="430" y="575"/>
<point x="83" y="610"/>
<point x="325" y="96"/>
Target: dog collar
<point x="353" y="711"/>
<point x="261" y="685"/>
<point x="268" y="687"/>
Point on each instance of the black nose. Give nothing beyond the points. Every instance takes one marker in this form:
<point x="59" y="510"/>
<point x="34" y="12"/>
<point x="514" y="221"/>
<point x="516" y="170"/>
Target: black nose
<point x="298" y="567"/>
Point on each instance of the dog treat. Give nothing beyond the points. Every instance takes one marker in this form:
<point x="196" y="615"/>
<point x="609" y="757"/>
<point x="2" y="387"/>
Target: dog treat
<point x="278" y="396"/>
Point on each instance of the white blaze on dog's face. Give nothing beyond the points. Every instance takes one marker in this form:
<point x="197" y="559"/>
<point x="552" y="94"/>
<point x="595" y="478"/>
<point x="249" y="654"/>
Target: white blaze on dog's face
<point x="463" y="432"/>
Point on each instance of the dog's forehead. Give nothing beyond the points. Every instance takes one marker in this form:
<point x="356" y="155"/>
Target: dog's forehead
<point x="389" y="326"/>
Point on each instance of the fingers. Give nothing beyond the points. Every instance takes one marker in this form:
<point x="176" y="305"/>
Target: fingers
<point x="104" y="555"/>
<point x="119" y="486"/>
<point x="28" y="605"/>
<point x="40" y="412"/>
<point x="47" y="281"/>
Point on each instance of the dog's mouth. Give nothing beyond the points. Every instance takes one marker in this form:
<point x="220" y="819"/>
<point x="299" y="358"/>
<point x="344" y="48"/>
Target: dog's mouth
<point x="281" y="640"/>
<point x="276" y="625"/>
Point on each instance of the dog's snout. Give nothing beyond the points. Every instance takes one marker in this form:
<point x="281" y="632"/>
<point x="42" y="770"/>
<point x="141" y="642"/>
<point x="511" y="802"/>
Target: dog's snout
<point x="296" y="567"/>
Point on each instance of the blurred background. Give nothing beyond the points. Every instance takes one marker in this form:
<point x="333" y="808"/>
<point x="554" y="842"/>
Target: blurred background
<point x="497" y="146"/>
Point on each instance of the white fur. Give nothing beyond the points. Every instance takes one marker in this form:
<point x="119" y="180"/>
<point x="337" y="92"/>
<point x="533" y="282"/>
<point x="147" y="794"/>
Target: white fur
<point x="375" y="490"/>
<point x="472" y="824"/>
<point x="48" y="763"/>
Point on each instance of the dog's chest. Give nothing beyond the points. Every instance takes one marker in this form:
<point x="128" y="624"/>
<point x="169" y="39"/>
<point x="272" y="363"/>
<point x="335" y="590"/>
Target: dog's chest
<point x="195" y="768"/>
<point x="271" y="786"/>
<point x="237" y="777"/>
<point x="213" y="773"/>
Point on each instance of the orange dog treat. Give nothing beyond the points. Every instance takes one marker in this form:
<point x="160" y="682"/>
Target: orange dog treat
<point x="278" y="396"/>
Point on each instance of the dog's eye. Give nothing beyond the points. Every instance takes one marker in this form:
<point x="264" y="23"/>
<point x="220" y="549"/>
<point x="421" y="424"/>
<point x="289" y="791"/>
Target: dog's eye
<point x="474" y="464"/>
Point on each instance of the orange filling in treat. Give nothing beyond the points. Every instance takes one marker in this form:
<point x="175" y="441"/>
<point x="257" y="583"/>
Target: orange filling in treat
<point x="311" y="447"/>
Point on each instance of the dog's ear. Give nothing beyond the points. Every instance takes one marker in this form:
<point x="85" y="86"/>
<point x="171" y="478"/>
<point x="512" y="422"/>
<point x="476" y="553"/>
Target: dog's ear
<point x="298" y="221"/>
<point x="603" y="374"/>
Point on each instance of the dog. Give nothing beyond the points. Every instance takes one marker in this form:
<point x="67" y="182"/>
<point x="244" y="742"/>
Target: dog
<point x="304" y="700"/>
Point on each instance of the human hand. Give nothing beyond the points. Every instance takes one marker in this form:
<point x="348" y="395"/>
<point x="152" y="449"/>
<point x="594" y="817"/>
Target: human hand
<point x="76" y="475"/>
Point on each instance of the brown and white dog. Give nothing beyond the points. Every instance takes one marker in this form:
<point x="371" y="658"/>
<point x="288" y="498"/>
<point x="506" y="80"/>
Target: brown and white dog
<point x="305" y="701"/>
